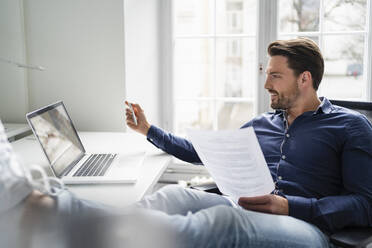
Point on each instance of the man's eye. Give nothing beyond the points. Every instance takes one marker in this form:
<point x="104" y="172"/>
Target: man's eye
<point x="275" y="76"/>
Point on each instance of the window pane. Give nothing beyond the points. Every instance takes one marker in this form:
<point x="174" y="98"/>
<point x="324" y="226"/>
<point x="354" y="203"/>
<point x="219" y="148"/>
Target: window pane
<point x="193" y="67"/>
<point x="236" y="16"/>
<point x="288" y="37"/>
<point x="337" y="15"/>
<point x="343" y="78"/>
<point x="193" y="16"/>
<point x="193" y="114"/>
<point x="235" y="69"/>
<point x="233" y="115"/>
<point x="298" y="15"/>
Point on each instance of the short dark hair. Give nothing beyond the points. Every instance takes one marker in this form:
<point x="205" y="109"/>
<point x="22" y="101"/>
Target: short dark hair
<point x="302" y="54"/>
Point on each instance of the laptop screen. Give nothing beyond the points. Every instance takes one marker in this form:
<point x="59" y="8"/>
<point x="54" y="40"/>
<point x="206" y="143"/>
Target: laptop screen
<point x="57" y="136"/>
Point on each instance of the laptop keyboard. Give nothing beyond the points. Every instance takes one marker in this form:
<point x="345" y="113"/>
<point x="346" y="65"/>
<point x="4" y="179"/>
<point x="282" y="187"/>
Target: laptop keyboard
<point x="95" y="165"/>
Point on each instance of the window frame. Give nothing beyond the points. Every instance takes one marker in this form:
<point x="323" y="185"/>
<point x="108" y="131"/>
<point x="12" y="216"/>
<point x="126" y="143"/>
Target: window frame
<point x="368" y="48"/>
<point x="268" y="21"/>
<point x="367" y="67"/>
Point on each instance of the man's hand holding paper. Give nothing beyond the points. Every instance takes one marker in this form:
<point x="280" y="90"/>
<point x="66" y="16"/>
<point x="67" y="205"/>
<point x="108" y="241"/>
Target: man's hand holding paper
<point x="235" y="161"/>
<point x="272" y="204"/>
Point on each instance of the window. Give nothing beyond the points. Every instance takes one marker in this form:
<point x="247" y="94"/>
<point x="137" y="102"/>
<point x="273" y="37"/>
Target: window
<point x="217" y="51"/>
<point x="214" y="59"/>
<point x="340" y="29"/>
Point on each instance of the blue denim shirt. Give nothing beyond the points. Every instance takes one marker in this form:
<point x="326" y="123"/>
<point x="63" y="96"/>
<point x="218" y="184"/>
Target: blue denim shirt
<point x="322" y="162"/>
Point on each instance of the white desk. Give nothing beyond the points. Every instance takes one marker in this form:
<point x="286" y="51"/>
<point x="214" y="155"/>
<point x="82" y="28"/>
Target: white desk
<point x="29" y="151"/>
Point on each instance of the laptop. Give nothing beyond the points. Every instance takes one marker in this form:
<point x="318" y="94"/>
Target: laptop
<point x="53" y="128"/>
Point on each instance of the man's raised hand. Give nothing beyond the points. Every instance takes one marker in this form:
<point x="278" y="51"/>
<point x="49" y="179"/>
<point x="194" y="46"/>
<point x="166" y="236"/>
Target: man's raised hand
<point x="142" y="125"/>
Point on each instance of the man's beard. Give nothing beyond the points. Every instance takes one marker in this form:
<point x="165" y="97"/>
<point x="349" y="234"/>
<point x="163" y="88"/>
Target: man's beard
<point x="285" y="101"/>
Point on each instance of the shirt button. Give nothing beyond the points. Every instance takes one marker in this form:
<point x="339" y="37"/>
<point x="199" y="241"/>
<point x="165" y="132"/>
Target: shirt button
<point x="280" y="177"/>
<point x="287" y="135"/>
<point x="283" y="157"/>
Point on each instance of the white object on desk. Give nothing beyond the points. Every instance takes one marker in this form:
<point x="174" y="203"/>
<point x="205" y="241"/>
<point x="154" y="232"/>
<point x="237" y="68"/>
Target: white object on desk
<point x="13" y="130"/>
<point x="118" y="195"/>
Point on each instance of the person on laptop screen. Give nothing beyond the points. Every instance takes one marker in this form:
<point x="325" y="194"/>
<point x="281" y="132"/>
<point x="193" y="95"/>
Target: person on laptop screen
<point x="319" y="156"/>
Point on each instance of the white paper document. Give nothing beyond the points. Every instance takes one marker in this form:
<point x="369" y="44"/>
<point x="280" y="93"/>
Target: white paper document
<point x="235" y="161"/>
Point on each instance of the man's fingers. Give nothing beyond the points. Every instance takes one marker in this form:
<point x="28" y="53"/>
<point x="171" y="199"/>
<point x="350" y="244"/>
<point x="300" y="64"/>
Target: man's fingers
<point x="264" y="208"/>
<point x="134" y="105"/>
<point x="137" y="106"/>
<point x="268" y="204"/>
<point x="127" y="103"/>
<point x="128" y="113"/>
<point x="130" y="123"/>
<point x="129" y="117"/>
<point x="254" y="200"/>
<point x="257" y="203"/>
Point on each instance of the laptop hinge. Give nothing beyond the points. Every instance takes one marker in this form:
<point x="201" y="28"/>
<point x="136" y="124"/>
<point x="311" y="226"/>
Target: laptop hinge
<point x="72" y="165"/>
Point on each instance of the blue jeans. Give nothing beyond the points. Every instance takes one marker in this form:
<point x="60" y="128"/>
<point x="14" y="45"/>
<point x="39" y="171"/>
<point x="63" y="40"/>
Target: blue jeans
<point x="210" y="220"/>
<point x="199" y="219"/>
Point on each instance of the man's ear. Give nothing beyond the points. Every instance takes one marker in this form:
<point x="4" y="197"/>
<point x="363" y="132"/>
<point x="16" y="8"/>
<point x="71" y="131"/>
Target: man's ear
<point x="306" y="78"/>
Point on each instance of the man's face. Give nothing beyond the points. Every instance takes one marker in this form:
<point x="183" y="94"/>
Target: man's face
<point x="281" y="83"/>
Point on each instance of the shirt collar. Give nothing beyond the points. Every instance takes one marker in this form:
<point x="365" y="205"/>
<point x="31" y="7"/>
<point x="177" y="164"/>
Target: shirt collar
<point x="324" y="107"/>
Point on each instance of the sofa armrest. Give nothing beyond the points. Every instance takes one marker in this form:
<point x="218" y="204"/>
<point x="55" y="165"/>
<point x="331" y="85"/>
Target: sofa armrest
<point x="360" y="237"/>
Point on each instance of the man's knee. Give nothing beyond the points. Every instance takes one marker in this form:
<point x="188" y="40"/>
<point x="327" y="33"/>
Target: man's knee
<point x="169" y="194"/>
<point x="172" y="190"/>
<point x="221" y="216"/>
<point x="225" y="214"/>
<point x="212" y="227"/>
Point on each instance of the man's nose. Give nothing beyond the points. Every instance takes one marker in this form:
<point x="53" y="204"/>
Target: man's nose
<point x="267" y="84"/>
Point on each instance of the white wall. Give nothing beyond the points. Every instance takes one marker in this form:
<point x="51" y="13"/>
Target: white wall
<point x="81" y="45"/>
<point x="142" y="56"/>
<point x="13" y="92"/>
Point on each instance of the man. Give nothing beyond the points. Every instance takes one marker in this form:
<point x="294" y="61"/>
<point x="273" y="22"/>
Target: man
<point x="319" y="155"/>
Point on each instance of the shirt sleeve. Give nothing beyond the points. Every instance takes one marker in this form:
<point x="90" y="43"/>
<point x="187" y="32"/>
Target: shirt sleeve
<point x="179" y="147"/>
<point x="353" y="207"/>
